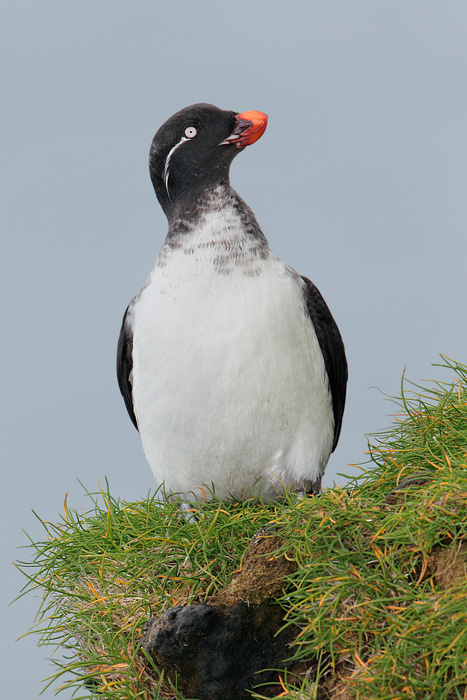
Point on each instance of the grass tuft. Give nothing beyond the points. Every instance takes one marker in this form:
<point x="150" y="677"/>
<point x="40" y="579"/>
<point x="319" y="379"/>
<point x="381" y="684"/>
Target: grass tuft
<point x="379" y="594"/>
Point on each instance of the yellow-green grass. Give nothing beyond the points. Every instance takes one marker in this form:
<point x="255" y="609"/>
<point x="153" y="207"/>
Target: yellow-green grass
<point x="379" y="595"/>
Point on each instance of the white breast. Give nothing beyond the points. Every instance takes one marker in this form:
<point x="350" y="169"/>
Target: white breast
<point x="229" y="384"/>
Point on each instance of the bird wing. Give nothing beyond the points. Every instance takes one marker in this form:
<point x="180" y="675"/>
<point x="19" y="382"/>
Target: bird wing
<point x="332" y="347"/>
<point x="125" y="364"/>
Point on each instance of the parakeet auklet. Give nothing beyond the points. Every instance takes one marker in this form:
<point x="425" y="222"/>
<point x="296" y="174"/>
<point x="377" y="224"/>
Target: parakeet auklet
<point x="230" y="363"/>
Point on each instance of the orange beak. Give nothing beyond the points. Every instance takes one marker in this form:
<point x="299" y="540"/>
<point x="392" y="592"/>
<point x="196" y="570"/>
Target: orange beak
<point x="250" y="126"/>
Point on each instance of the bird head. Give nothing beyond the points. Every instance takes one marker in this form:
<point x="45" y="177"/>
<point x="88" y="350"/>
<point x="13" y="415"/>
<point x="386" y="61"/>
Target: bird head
<point x="193" y="150"/>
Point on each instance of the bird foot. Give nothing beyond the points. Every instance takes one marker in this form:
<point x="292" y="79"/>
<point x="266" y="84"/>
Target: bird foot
<point x="308" y="488"/>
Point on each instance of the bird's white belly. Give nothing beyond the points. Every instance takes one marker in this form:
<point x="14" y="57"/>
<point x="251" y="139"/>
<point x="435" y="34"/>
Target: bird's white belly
<point x="229" y="384"/>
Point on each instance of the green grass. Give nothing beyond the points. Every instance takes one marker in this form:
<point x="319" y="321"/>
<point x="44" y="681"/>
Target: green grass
<point x="380" y="593"/>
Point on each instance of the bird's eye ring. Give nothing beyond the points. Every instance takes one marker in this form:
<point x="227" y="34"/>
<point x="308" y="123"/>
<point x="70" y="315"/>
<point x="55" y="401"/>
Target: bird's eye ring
<point x="190" y="132"/>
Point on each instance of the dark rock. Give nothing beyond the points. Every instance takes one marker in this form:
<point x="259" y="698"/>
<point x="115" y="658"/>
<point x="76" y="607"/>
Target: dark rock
<point x="217" y="650"/>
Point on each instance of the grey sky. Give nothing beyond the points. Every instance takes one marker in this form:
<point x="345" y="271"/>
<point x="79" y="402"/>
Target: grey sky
<point x="359" y="183"/>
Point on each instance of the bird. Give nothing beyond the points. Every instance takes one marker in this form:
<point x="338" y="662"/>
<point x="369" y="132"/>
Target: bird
<point x="230" y="363"/>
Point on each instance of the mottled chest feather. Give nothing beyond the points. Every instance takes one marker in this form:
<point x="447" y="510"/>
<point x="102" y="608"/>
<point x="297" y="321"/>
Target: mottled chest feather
<point x="224" y="231"/>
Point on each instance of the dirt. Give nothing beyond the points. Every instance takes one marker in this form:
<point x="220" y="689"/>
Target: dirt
<point x="448" y="565"/>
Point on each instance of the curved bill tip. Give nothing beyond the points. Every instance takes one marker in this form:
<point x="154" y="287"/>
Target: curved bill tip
<point x="249" y="127"/>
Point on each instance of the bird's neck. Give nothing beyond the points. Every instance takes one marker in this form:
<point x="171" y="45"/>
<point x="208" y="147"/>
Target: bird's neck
<point x="219" y="229"/>
<point x="214" y="213"/>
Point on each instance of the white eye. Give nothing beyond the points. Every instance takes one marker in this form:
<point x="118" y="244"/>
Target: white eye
<point x="190" y="132"/>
